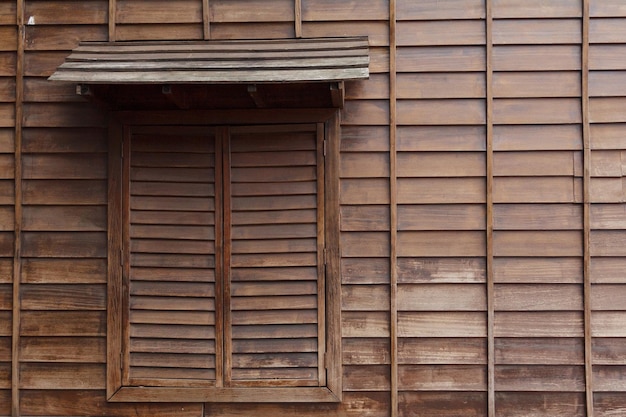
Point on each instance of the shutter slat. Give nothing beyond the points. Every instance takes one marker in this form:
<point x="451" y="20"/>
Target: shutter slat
<point x="171" y="243"/>
<point x="274" y="307"/>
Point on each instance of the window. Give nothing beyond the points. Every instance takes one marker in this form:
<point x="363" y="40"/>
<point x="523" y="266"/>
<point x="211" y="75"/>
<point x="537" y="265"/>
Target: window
<point x="223" y="277"/>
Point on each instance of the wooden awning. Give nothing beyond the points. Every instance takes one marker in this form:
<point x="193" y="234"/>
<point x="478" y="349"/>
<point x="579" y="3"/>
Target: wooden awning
<point x="217" y="62"/>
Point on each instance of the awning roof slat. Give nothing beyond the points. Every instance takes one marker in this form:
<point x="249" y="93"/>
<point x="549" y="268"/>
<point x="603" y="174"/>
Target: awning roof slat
<point x="252" y="61"/>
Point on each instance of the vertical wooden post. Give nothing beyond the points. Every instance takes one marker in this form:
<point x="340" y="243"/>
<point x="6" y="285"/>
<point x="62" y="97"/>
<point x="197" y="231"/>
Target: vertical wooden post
<point x="491" y="400"/>
<point x="206" y="19"/>
<point x="393" y="209"/>
<point x="298" y="18"/>
<point x="17" y="262"/>
<point x="586" y="130"/>
<point x="112" y="18"/>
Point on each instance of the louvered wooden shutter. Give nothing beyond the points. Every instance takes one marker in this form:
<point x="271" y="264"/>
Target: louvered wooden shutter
<point x="274" y="256"/>
<point x="170" y="246"/>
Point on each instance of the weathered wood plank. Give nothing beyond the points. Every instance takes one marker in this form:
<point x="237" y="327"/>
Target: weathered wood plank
<point x="536" y="58"/>
<point x="607" y="30"/>
<point x="365" y="352"/>
<point x="608" y="270"/>
<point x="607" y="109"/>
<point x="441" y="217"/>
<point x="64" y="244"/>
<point x="441" y="270"/>
<point x="437" y="10"/>
<point x="65" y="37"/>
<point x="608" y="323"/>
<point x="608" y="190"/>
<point x="536" y="31"/>
<point x="536" y="84"/>
<point x="608" y="297"/>
<point x="538" y="324"/>
<point x="441" y="164"/>
<point x="364" y="218"/>
<point x="538" y="243"/>
<point x="607" y="8"/>
<point x="537" y="163"/>
<point x="608" y="243"/>
<point x="540" y="378"/>
<point x="607" y="84"/>
<point x="365" y="298"/>
<point x="464" y="351"/>
<point x="540" y="404"/>
<point x="63" y="297"/>
<point x="537" y="190"/>
<point x="365" y="244"/>
<point x="366" y="378"/>
<point x="442" y="378"/>
<point x="64" y="218"/>
<point x="158" y="11"/>
<point x="441" y="190"/>
<point x="536" y="8"/>
<point x="609" y="404"/>
<point x="7" y="89"/>
<point x="542" y="297"/>
<point x="63" y="349"/>
<point x="442" y="403"/>
<point x="62" y="115"/>
<point x="539" y="351"/>
<point x="251" y="11"/>
<point x="62" y="376"/>
<point x="440" y="33"/>
<point x="7" y="64"/>
<point x="441" y="138"/>
<point x="179" y="31"/>
<point x="365" y="112"/>
<point x="63" y="323"/>
<point x="64" y="192"/>
<point x="442" y="324"/>
<point x="442" y="297"/>
<point x="364" y="165"/>
<point x="376" y="31"/>
<point x="441" y="58"/>
<point x="94" y="402"/>
<point x="365" y="270"/>
<point x="325" y="10"/>
<point x="537" y="137"/>
<point x="537" y="217"/>
<point x="607" y="57"/>
<point x="365" y="325"/>
<point x="64" y="12"/>
<point x="537" y="111"/>
<point x="441" y="85"/>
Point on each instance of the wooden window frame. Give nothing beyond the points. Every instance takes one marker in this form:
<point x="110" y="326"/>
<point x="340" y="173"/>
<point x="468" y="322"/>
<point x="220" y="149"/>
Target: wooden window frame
<point x="118" y="126"/>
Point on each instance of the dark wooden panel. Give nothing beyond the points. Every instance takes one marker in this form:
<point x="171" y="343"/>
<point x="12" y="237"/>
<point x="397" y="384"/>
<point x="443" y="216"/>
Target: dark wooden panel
<point x="536" y="58"/>
<point x="158" y="11"/>
<point x="536" y="8"/>
<point x="42" y="64"/>
<point x="7" y="166"/>
<point x="537" y="217"/>
<point x="5" y="349"/>
<point x="7" y="89"/>
<point x="354" y="404"/>
<point x="63" y="349"/>
<point x="441" y="190"/>
<point x="63" y="323"/>
<point x="537" y="84"/>
<point x="364" y="191"/>
<point x="365" y="324"/>
<point x="538" y="324"/>
<point x="64" y="244"/>
<point x="540" y="404"/>
<point x="538" y="270"/>
<point x="364" y="165"/>
<point x="608" y="323"/>
<point x="442" y="324"/>
<point x="609" y="378"/>
<point x="442" y="297"/>
<point x="365" y="298"/>
<point x="159" y="32"/>
<point x="63" y="297"/>
<point x="440" y="164"/>
<point x="6" y="244"/>
<point x="536" y="138"/>
<point x="364" y="218"/>
<point x="366" y="378"/>
<point x="251" y="11"/>
<point x="62" y="115"/>
<point x="365" y="270"/>
<point x="67" y="12"/>
<point x="7" y="13"/>
<point x="539" y="351"/>
<point x="51" y="192"/>
<point x="376" y="31"/>
<point x="608" y="270"/>
<point x="542" y="297"/>
<point x="365" y="352"/>
<point x="365" y="112"/>
<point x="6" y="270"/>
<point x="62" y="376"/>
<point x="607" y="57"/>
<point x="441" y="138"/>
<point x="608" y="351"/>
<point x="64" y="218"/>
<point x="93" y="402"/>
<point x="366" y="244"/>
<point x="437" y="10"/>
<point x="441" y="243"/>
<point x="608" y="297"/>
<point x="346" y="10"/>
<point x="6" y="328"/>
<point x="538" y="243"/>
<point x="376" y="87"/>
<point x="437" y="33"/>
<point x="609" y="404"/>
<point x="6" y="297"/>
<point x="442" y="377"/>
<point x="441" y="58"/>
<point x="441" y="112"/>
<point x="42" y="90"/>
<point x="537" y="190"/>
<point x="442" y="404"/>
<point x="66" y="37"/>
<point x="7" y="63"/>
<point x="7" y="192"/>
<point x="364" y="139"/>
<point x="608" y="243"/>
<point x="540" y="378"/>
<point x="7" y="115"/>
<point x="7" y="140"/>
<point x="441" y="85"/>
<point x="8" y="38"/>
<point x="537" y="111"/>
<point x="441" y="217"/>
<point x="536" y="31"/>
<point x="441" y="270"/>
<point x="608" y="30"/>
<point x="442" y="351"/>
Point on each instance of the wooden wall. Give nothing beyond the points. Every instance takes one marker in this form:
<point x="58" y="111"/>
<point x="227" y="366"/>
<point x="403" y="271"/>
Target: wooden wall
<point x="483" y="195"/>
